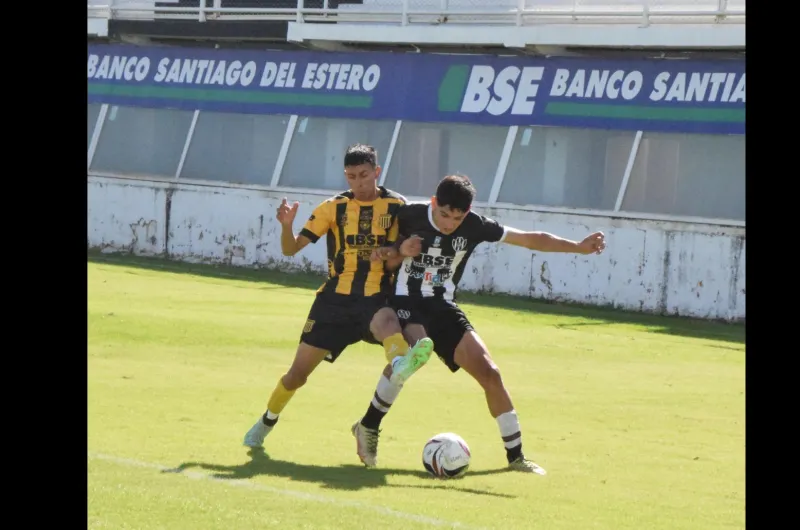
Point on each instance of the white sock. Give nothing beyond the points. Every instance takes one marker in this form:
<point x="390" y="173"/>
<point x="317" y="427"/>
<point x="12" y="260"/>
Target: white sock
<point x="271" y="415"/>
<point x="385" y="394"/>
<point x="509" y="429"/>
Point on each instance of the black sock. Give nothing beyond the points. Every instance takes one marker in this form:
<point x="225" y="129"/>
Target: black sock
<point x="372" y="419"/>
<point x="514" y="453"/>
<point x="268" y="422"/>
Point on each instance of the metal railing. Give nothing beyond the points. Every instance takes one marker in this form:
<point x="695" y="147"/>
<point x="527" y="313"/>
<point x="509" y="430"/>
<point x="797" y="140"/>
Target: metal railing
<point x="406" y="12"/>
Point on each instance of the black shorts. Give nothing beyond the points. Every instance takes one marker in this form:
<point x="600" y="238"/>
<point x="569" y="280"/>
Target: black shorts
<point x="445" y="323"/>
<point x="336" y="321"/>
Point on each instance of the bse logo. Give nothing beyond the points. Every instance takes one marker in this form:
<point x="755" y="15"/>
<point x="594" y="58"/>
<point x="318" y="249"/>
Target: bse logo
<point x="511" y="90"/>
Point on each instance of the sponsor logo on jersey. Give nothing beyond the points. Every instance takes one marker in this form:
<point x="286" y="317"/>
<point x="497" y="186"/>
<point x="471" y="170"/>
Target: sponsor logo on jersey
<point x="359" y="241"/>
<point x="429" y="260"/>
<point x="436" y="280"/>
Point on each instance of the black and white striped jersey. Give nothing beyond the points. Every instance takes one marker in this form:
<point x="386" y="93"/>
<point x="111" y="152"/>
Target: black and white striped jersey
<point x="438" y="269"/>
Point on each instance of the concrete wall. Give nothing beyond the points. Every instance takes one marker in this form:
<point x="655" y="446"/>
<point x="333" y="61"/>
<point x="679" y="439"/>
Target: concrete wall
<point x="652" y="266"/>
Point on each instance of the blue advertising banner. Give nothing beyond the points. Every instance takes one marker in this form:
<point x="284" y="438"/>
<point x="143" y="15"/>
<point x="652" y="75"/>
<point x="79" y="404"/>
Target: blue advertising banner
<point x="651" y="95"/>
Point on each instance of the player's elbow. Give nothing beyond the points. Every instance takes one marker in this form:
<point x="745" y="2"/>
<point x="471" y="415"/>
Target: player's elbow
<point x="289" y="251"/>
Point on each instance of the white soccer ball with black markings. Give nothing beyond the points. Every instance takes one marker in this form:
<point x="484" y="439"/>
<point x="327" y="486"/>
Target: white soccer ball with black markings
<point x="446" y="455"/>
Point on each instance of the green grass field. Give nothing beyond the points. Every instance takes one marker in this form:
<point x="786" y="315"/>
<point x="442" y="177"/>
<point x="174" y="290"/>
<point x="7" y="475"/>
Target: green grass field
<point x="639" y="420"/>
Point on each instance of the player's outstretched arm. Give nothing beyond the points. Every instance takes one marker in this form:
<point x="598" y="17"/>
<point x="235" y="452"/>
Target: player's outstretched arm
<point x="545" y="242"/>
<point x="290" y="244"/>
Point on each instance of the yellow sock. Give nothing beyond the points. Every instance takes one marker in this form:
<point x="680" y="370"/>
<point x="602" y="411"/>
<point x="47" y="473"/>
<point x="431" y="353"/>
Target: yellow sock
<point x="394" y="345"/>
<point x="279" y="398"/>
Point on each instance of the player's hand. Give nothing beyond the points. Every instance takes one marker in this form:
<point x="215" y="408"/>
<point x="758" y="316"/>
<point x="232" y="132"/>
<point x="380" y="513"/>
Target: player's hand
<point x="411" y="247"/>
<point x="383" y="253"/>
<point x="593" y="244"/>
<point x="287" y="213"/>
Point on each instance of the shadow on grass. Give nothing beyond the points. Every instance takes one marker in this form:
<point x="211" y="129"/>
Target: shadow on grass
<point x="345" y="477"/>
<point x="598" y="316"/>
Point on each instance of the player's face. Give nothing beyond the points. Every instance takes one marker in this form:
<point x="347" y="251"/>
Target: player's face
<point x="363" y="180"/>
<point x="447" y="220"/>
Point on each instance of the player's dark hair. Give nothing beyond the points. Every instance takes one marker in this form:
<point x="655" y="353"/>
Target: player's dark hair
<point x="358" y="154"/>
<point x="455" y="191"/>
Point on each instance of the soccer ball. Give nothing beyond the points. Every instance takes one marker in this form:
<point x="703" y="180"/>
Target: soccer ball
<point x="446" y="455"/>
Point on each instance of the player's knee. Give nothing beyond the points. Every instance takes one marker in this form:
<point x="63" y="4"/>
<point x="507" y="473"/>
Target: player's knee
<point x="294" y="379"/>
<point x="489" y="377"/>
<point x="413" y="332"/>
<point x="384" y="323"/>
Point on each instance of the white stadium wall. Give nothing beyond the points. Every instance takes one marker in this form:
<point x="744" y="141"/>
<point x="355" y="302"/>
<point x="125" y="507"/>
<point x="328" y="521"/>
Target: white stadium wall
<point x="675" y="268"/>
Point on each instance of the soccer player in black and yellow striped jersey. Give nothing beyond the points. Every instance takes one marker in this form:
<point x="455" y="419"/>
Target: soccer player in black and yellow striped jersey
<point x="352" y="304"/>
<point x="354" y="229"/>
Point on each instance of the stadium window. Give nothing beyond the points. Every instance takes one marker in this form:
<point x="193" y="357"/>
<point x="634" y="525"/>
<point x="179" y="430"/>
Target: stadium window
<point x="316" y="152"/>
<point x="558" y="166"/>
<point x="425" y="152"/>
<point x="142" y="141"/>
<point x="238" y="148"/>
<point x="697" y="175"/>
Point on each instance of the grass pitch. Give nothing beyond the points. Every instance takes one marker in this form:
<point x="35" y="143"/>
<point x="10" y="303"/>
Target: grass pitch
<point x="638" y="420"/>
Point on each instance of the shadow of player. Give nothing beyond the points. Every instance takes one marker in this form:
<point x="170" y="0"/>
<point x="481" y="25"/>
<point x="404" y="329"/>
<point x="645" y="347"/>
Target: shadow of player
<point x="347" y="477"/>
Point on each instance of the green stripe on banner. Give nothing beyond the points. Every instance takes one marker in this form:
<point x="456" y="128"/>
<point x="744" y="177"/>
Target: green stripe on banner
<point x="231" y="96"/>
<point x="452" y="88"/>
<point x="640" y="112"/>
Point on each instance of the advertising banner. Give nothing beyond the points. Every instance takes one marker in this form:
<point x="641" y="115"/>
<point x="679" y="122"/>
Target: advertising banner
<point x="668" y="95"/>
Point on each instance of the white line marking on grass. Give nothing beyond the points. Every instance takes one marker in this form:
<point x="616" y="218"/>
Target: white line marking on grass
<point x="286" y="492"/>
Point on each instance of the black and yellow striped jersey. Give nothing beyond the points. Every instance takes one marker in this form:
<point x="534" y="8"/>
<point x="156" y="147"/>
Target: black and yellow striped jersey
<point x="354" y="229"/>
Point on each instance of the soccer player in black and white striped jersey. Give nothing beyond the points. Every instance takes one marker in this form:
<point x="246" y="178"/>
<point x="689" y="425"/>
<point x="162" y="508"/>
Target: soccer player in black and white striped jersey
<point x="436" y="241"/>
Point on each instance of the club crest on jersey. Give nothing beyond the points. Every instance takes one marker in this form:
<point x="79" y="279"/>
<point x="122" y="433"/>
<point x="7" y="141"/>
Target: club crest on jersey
<point x="342" y="221"/>
<point x="365" y="220"/>
<point x="385" y="221"/>
<point x="436" y="241"/>
<point x="459" y="244"/>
